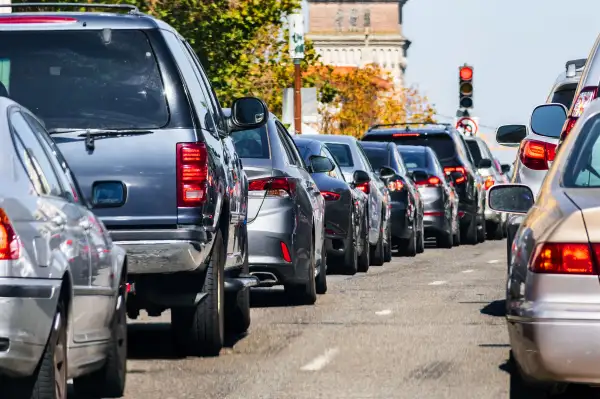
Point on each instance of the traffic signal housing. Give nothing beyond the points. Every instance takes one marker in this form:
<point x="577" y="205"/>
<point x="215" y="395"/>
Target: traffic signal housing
<point x="465" y="85"/>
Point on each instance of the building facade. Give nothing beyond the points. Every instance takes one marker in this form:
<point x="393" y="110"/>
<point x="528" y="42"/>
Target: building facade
<point x="355" y="33"/>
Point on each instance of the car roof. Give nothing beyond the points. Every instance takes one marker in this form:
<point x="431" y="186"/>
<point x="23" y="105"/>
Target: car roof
<point x="414" y="148"/>
<point x="334" y="138"/>
<point x="426" y="130"/>
<point x="307" y="142"/>
<point x="376" y="144"/>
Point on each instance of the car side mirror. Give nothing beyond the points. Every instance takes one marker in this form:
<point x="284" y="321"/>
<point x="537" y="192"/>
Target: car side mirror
<point x="320" y="164"/>
<point x="386" y="173"/>
<point x="505" y="168"/>
<point x="511" y="135"/>
<point x="485" y="163"/>
<point x="548" y="119"/>
<point x="361" y="177"/>
<point x="247" y="113"/>
<point x="510" y="198"/>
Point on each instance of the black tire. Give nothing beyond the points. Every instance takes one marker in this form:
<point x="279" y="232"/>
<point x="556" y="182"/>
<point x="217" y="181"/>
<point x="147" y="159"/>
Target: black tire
<point x="481" y="232"/>
<point x="470" y="233"/>
<point x="494" y="232"/>
<point x="321" y="281"/>
<point x="49" y="380"/>
<point x="445" y="240"/>
<point x="421" y="239"/>
<point x="200" y="330"/>
<point x="305" y="294"/>
<point x="409" y="247"/>
<point x="364" y="259"/>
<point x="387" y="250"/>
<point x="350" y="266"/>
<point x="456" y="238"/>
<point x="109" y="381"/>
<point x="377" y="252"/>
<point x="237" y="306"/>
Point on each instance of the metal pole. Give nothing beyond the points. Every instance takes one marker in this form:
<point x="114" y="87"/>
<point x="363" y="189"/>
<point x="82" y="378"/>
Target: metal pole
<point x="297" y="96"/>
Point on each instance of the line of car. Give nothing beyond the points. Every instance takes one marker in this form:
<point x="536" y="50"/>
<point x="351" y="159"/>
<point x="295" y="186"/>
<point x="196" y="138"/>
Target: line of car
<point x="127" y="188"/>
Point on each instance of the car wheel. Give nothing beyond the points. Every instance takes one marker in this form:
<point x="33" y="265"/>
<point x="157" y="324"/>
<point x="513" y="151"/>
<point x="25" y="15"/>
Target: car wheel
<point x="200" y="330"/>
<point x="387" y="252"/>
<point x="305" y="294"/>
<point x="456" y="238"/>
<point x="470" y="232"/>
<point x="351" y="255"/>
<point x="321" y="283"/>
<point x="445" y="240"/>
<point x="481" y="232"/>
<point x="377" y="251"/>
<point x="494" y="231"/>
<point x="109" y="381"/>
<point x="364" y="260"/>
<point x="421" y="239"/>
<point x="237" y="306"/>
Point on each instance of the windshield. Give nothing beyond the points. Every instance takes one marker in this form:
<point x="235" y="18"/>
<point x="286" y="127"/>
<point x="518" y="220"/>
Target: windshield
<point x="378" y="157"/>
<point x="341" y="153"/>
<point x="84" y="79"/>
<point x="414" y="159"/>
<point x="252" y="143"/>
<point x="564" y="97"/>
<point x="441" y="144"/>
<point x="583" y="167"/>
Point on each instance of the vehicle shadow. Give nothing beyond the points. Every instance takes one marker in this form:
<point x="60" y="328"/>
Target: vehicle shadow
<point x="495" y="308"/>
<point x="269" y="298"/>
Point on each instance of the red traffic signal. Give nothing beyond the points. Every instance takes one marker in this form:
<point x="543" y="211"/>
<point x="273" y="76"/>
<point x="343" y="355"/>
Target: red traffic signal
<point x="466" y="73"/>
<point x="465" y="86"/>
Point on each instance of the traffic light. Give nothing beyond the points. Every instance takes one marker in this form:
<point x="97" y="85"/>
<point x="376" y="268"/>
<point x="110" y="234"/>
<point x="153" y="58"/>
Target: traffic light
<point x="465" y="85"/>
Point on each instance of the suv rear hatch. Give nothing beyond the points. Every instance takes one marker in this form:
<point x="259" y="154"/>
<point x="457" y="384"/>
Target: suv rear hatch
<point x="75" y="75"/>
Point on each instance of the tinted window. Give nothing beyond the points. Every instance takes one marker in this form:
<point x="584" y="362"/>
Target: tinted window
<point x="414" y="160"/>
<point x="252" y="143"/>
<point x="475" y="151"/>
<point x="378" y="157"/>
<point x="583" y="168"/>
<point x="29" y="166"/>
<point x="336" y="172"/>
<point x="341" y="153"/>
<point x="85" y="79"/>
<point x="441" y="144"/>
<point x="564" y="97"/>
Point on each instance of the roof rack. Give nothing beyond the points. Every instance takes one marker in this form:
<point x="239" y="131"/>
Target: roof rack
<point x="573" y="65"/>
<point x="408" y="124"/>
<point x="132" y="9"/>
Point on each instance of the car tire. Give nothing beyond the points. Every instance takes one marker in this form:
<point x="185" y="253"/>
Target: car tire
<point x="494" y="232"/>
<point x="409" y="247"/>
<point x="109" y="381"/>
<point x="321" y="281"/>
<point x="200" y="330"/>
<point x="305" y="294"/>
<point x="387" y="250"/>
<point x="445" y="240"/>
<point x="470" y="233"/>
<point x="351" y="255"/>
<point x="456" y="237"/>
<point x="481" y="233"/>
<point x="237" y="306"/>
<point x="421" y="239"/>
<point x="364" y="260"/>
<point x="377" y="251"/>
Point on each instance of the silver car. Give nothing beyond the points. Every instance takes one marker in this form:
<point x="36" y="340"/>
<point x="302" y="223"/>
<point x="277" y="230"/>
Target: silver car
<point x="552" y="290"/>
<point x="62" y="281"/>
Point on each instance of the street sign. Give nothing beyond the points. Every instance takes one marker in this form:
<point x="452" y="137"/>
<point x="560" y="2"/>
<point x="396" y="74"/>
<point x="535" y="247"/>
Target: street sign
<point x="469" y="126"/>
<point x="296" y="22"/>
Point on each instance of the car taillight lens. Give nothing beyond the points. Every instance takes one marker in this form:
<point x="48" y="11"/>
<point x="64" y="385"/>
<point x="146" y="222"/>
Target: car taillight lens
<point x="30" y="19"/>
<point x="564" y="258"/>
<point x="586" y="96"/>
<point x="10" y="245"/>
<point x="536" y="154"/>
<point x="463" y="173"/>
<point x="489" y="182"/>
<point x="364" y="187"/>
<point x="329" y="196"/>
<point x="192" y="174"/>
<point x="281" y="187"/>
<point x="395" y="185"/>
<point x="433" y="181"/>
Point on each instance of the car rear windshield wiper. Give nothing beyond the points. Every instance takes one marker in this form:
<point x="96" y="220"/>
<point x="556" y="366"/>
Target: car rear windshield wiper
<point x="91" y="134"/>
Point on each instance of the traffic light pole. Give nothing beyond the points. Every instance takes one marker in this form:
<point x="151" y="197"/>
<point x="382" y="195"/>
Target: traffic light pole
<point x="297" y="96"/>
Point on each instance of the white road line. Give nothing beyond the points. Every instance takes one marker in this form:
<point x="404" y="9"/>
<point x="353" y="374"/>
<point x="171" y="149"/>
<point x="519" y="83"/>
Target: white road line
<point x="321" y="361"/>
<point x="493" y="261"/>
<point x="438" y="282"/>
<point x="384" y="312"/>
<point x="468" y="271"/>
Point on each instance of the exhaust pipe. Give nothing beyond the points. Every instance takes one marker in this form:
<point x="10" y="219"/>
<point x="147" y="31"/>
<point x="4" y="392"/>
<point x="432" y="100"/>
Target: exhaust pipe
<point x="267" y="279"/>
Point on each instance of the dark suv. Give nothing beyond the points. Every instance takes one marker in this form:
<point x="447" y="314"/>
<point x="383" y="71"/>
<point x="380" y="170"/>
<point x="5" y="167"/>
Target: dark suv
<point x="129" y="104"/>
<point x="452" y="152"/>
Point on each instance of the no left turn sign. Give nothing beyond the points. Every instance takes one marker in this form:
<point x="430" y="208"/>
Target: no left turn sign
<point x="468" y="126"/>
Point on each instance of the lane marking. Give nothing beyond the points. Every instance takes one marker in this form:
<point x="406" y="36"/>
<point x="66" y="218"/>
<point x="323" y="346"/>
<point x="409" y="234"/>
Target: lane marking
<point x="493" y="261"/>
<point x="438" y="282"/>
<point x="321" y="361"/>
<point x="384" y="312"/>
<point x="468" y="271"/>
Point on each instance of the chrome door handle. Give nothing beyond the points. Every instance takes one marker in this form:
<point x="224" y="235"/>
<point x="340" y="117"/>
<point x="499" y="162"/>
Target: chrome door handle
<point x="59" y="221"/>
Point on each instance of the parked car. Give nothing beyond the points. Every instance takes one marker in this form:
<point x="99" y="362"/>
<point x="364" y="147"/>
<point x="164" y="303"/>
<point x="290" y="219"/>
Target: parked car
<point x="452" y="152"/>
<point x="137" y="116"/>
<point x="407" y="231"/>
<point x="441" y="203"/>
<point x="286" y="213"/>
<point x="346" y="209"/>
<point x="552" y="292"/>
<point x="495" y="221"/>
<point x="64" y="282"/>
<point x="357" y="169"/>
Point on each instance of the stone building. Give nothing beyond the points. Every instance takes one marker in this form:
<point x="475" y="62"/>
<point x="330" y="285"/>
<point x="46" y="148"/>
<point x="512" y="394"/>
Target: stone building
<point x="352" y="33"/>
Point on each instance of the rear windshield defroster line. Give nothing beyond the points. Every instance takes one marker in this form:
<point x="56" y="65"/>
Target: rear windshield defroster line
<point x="96" y="79"/>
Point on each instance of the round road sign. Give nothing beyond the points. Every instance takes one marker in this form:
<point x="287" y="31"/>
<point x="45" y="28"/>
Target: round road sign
<point x="467" y="126"/>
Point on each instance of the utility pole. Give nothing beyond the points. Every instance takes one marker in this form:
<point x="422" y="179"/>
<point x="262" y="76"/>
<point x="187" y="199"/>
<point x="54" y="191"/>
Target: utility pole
<point x="296" y="24"/>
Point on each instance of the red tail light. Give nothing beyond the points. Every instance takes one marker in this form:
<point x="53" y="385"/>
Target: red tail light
<point x="192" y="174"/>
<point x="586" y="96"/>
<point x="433" y="181"/>
<point x="564" y="258"/>
<point x="462" y="178"/>
<point x="395" y="185"/>
<point x="32" y="19"/>
<point x="489" y="182"/>
<point x="10" y="246"/>
<point x="285" y="252"/>
<point x="273" y="186"/>
<point x="364" y="187"/>
<point x="329" y="196"/>
<point x="536" y="154"/>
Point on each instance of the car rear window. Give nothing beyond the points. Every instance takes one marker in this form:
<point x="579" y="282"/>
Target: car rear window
<point x="252" y="143"/>
<point x="414" y="159"/>
<point x="378" y="157"/>
<point x="564" y="96"/>
<point x="84" y="79"/>
<point x="475" y="151"/>
<point x="441" y="144"/>
<point x="341" y="153"/>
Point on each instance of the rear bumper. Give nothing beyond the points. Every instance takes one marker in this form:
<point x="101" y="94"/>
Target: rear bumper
<point x="164" y="251"/>
<point x="493" y="216"/>
<point x="434" y="224"/>
<point x="27" y="309"/>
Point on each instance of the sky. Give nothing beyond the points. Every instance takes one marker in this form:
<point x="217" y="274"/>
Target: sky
<point x="517" y="49"/>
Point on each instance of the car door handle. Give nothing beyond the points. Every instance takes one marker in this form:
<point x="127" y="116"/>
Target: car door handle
<point x="59" y="221"/>
<point x="85" y="225"/>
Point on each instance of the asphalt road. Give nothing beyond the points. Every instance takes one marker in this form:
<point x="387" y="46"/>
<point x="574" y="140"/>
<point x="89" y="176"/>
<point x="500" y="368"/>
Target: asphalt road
<point x="425" y="327"/>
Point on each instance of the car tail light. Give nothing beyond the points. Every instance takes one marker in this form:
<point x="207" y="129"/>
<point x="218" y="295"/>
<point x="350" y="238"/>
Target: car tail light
<point x="10" y="245"/>
<point x="463" y="173"/>
<point x="285" y="252"/>
<point x="32" y="19"/>
<point x="192" y="174"/>
<point x="329" y="196"/>
<point x="586" y="96"/>
<point x="536" y="154"/>
<point x="395" y="185"/>
<point x="564" y="258"/>
<point x="433" y="181"/>
<point x="281" y="187"/>
<point x="364" y="187"/>
<point x="489" y="182"/>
